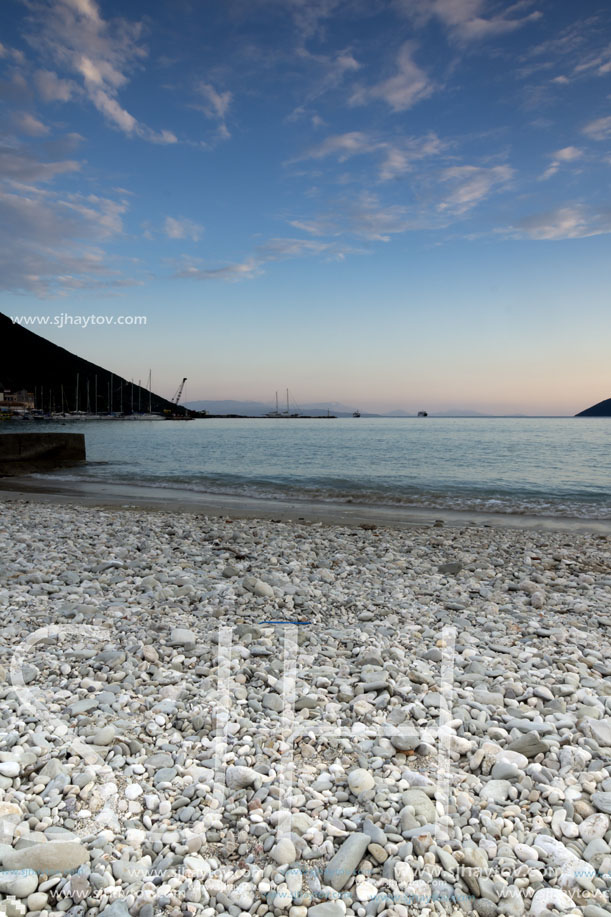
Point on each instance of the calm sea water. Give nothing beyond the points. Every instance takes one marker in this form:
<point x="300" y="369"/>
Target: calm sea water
<point x="550" y="466"/>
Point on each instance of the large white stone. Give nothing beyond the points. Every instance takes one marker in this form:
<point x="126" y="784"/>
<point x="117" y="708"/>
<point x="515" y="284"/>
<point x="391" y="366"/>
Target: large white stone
<point x="238" y="777"/>
<point x="18" y="883"/>
<point x="546" y="898"/>
<point x="284" y="852"/>
<point x="52" y="857"/>
<point x="360" y="781"/>
<point x="594" y="826"/>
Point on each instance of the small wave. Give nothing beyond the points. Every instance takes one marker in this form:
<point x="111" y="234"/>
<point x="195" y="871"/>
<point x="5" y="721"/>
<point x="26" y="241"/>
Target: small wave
<point x="582" y="506"/>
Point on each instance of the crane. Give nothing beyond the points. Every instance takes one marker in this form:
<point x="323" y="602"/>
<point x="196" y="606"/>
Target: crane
<point x="178" y="394"/>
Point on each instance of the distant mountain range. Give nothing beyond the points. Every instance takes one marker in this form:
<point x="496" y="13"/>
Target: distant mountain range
<point x="318" y="409"/>
<point x="28" y="361"/>
<point x="602" y="409"/>
<point x="258" y="408"/>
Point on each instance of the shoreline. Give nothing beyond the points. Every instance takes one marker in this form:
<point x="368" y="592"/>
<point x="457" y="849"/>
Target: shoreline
<point x="144" y="497"/>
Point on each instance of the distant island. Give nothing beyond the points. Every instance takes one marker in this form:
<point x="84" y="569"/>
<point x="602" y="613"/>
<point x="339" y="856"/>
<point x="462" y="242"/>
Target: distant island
<point x="602" y="409"/>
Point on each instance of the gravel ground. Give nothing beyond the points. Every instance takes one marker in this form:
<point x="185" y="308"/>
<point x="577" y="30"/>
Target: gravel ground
<point x="430" y="733"/>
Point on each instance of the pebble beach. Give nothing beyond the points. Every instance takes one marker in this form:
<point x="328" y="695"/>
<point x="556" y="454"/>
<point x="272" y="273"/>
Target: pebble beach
<point x="204" y="715"/>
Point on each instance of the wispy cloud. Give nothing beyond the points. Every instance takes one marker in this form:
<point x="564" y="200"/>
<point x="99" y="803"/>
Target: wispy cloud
<point x="308" y="15"/>
<point x="273" y="250"/>
<point x="20" y="164"/>
<point x="332" y="70"/>
<point x="569" y="222"/>
<point x="397" y="156"/>
<point x="49" y="242"/>
<point x="409" y="85"/>
<point x="182" y="229"/>
<point x="402" y="155"/>
<point x="30" y="125"/>
<point x="469" y="20"/>
<point x="53" y="89"/>
<point x="580" y="51"/>
<point x="471" y="185"/>
<point x="600" y="129"/>
<point x="233" y="272"/>
<point x="100" y="53"/>
<point x="364" y="217"/>
<point x="561" y="157"/>
<point x="215" y="105"/>
<point x="343" y="146"/>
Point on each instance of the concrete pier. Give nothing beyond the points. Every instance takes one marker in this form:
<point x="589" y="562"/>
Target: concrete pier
<point x="21" y="453"/>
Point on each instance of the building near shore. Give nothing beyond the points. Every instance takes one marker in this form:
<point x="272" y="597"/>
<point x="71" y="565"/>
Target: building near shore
<point x="21" y="400"/>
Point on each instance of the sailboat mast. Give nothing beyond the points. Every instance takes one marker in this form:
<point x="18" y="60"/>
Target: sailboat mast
<point x="287" y="401"/>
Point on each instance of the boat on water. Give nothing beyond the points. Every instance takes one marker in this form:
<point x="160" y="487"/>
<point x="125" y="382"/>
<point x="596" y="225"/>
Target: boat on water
<point x="423" y="413"/>
<point x="296" y="413"/>
<point x="356" y="413"/>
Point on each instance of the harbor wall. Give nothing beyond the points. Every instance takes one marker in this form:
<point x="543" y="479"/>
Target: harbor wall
<point x="21" y="453"/>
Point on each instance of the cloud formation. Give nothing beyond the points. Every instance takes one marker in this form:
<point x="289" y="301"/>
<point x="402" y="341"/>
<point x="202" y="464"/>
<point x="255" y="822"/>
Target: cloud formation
<point x="49" y="241"/>
<point x="468" y="20"/>
<point x="600" y="129"/>
<point x="397" y="156"/>
<point x="569" y="222"/>
<point x="409" y="85"/>
<point x="215" y="105"/>
<point x="471" y="185"/>
<point x="53" y="89"/>
<point x="273" y="250"/>
<point x="182" y="229"/>
<point x="561" y="157"/>
<point x="364" y="217"/>
<point x="99" y="53"/>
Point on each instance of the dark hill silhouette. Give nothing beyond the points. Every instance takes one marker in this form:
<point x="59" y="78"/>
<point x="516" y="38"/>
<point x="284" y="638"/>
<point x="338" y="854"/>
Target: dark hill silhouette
<point x="28" y="361"/>
<point x="602" y="409"/>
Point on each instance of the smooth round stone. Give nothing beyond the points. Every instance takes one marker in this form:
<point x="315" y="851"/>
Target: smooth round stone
<point x="602" y="801"/>
<point x="524" y="852"/>
<point x="378" y="853"/>
<point x="545" y="899"/>
<point x="335" y="908"/>
<point x="18" y="883"/>
<point x="360" y="781"/>
<point x="495" y="791"/>
<point x="50" y="858"/>
<point x="37" y="901"/>
<point x="284" y="852"/>
<point x="9" y="768"/>
<point x="505" y="770"/>
<point x="239" y="777"/>
<point x="104" y="736"/>
<point x="365" y="891"/>
<point x="594" y="826"/>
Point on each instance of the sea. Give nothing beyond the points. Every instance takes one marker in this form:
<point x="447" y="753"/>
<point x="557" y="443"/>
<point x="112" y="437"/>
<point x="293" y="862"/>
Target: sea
<point x="533" y="466"/>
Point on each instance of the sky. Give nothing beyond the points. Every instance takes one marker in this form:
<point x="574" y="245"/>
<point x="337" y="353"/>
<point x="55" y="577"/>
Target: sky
<point x="388" y="203"/>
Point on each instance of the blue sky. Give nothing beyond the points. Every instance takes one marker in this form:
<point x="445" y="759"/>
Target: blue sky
<point x="392" y="203"/>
